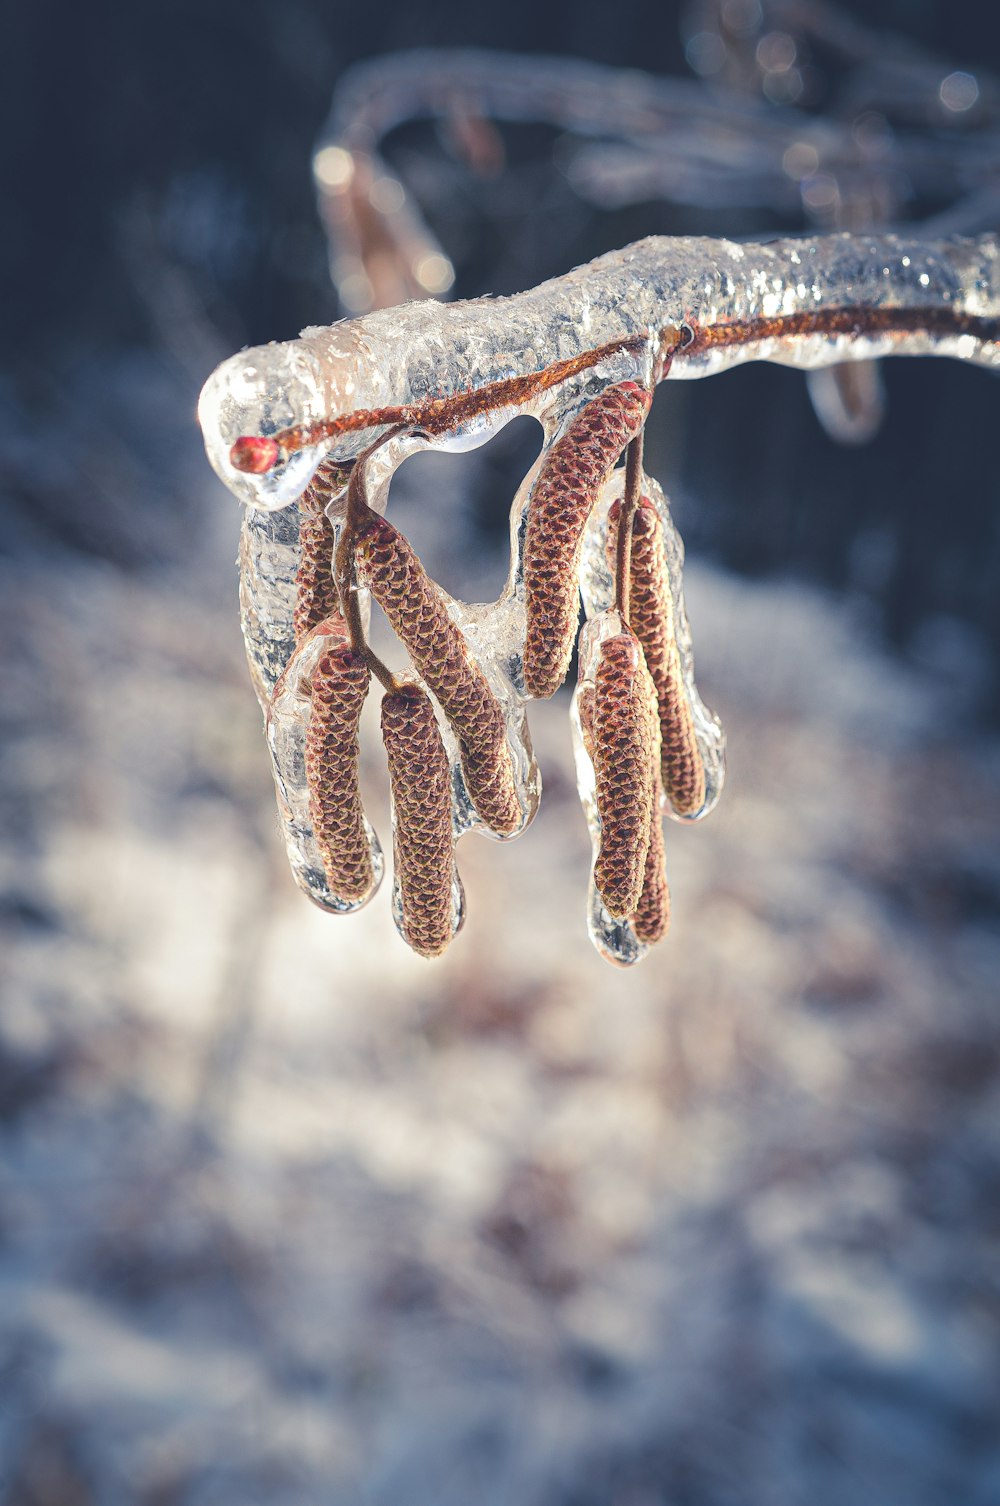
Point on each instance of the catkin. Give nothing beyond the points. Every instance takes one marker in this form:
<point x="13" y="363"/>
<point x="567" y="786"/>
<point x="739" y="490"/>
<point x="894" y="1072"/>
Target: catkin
<point x="339" y="685"/>
<point x="562" y="499"/>
<point x="651" y="617"/>
<point x="651" y="920"/>
<point x="388" y="565"/>
<point x="423" y="842"/>
<point x="315" y="589"/>
<point x="624" y="751"/>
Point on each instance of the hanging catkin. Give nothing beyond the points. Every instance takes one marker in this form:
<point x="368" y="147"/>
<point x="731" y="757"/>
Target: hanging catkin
<point x="624" y="740"/>
<point x="315" y="589"/>
<point x="423" y="844"/>
<point x="651" y="617"/>
<point x="388" y="565"/>
<point x="562" y="499"/>
<point x="339" y="686"/>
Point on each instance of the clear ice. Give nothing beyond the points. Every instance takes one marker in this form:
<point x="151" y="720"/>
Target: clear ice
<point x="901" y="135"/>
<point x="652" y="295"/>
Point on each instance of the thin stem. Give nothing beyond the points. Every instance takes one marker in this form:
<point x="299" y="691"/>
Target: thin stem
<point x="343" y="565"/>
<point x="434" y="416"/>
<point x="691" y="340"/>
<point x="630" y="501"/>
<point x="855" y="321"/>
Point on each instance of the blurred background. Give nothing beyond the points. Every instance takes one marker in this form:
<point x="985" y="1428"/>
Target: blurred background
<point x="290" y="1215"/>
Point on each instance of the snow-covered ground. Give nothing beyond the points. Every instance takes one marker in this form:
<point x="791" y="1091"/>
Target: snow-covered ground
<point x="288" y="1215"/>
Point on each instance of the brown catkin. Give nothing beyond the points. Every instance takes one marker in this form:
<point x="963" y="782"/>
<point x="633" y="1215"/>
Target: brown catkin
<point x="423" y="843"/>
<point x="339" y="686"/>
<point x="562" y="499"/>
<point x="315" y="588"/>
<point x="651" y="617"/>
<point x="651" y="920"/>
<point x="624" y="753"/>
<point x="388" y="565"/>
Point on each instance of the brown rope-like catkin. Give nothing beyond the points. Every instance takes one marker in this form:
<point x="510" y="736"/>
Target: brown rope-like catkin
<point x="651" y="617"/>
<point x="624" y="751"/>
<point x="565" y="492"/>
<point x="315" y="589"/>
<point x="651" y="920"/>
<point x="339" y="685"/>
<point x="388" y="565"/>
<point x="423" y="843"/>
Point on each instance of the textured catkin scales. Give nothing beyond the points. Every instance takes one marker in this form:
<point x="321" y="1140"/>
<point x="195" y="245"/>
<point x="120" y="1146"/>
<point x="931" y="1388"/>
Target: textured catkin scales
<point x="423" y="843"/>
<point x="651" y="920"/>
<point x="315" y="589"/>
<point x="339" y="686"/>
<point x="562" y="499"/>
<point x="387" y="564"/>
<point x="624" y="738"/>
<point x="651" y="617"/>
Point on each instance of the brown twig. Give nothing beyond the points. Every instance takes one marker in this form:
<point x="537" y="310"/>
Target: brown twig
<point x="345" y="563"/>
<point x="629" y="503"/>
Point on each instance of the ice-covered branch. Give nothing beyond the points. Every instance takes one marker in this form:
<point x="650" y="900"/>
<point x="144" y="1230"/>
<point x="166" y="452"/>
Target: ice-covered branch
<point x="309" y="434"/>
<point x="695" y="306"/>
<point x="910" y="135"/>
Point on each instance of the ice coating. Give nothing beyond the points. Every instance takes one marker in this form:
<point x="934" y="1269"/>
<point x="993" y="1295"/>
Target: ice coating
<point x="494" y="633"/>
<point x="457" y="901"/>
<point x="427" y="895"/>
<point x="270" y="388"/>
<point x="720" y="143"/>
<point x="268" y="560"/>
<point x="673" y="137"/>
<point x="426" y="376"/>
<point x="597" y="589"/>
<point x="809" y="302"/>
<point x="286" y="725"/>
<point x="614" y="939"/>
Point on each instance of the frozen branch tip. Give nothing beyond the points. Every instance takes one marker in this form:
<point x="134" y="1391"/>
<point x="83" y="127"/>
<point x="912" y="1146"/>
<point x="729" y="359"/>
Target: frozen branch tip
<point x="308" y="434"/>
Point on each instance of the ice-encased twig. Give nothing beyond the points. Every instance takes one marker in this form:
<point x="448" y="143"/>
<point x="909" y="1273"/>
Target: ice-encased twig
<point x="678" y="139"/>
<point x="807" y="302"/>
<point x="450" y="377"/>
<point x="663" y="138"/>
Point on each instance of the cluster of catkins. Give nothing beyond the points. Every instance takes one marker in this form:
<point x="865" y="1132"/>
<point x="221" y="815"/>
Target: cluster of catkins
<point x="644" y="740"/>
